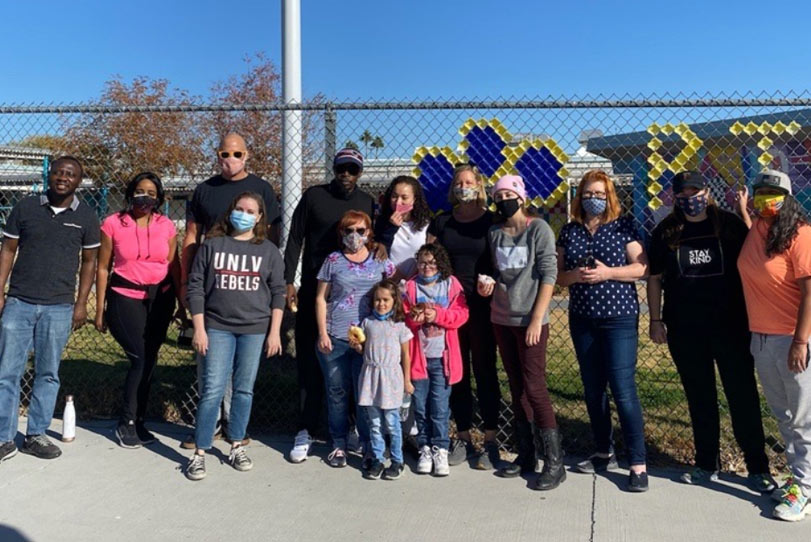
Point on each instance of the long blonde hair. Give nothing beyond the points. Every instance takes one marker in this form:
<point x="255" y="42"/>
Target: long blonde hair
<point x="482" y="192"/>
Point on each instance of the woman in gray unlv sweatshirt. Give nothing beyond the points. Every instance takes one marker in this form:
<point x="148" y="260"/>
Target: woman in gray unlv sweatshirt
<point x="236" y="297"/>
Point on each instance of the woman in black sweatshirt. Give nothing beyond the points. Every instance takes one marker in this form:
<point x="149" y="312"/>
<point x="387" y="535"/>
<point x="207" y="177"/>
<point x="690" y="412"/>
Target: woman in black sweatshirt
<point x="236" y="296"/>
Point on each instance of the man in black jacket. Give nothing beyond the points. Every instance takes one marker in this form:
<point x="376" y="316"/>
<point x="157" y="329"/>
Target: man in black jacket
<point x="314" y="229"/>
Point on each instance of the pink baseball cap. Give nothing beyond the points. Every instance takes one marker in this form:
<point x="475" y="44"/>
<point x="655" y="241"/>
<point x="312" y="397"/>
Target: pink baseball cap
<point x="513" y="183"/>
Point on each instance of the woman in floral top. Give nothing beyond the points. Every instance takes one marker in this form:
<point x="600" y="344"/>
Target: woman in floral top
<point x="345" y="283"/>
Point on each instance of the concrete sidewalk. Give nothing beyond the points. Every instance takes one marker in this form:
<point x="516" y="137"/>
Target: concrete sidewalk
<point x="98" y="491"/>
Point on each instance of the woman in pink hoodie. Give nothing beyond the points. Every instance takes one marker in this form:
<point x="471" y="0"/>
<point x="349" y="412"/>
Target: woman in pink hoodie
<point x="435" y="308"/>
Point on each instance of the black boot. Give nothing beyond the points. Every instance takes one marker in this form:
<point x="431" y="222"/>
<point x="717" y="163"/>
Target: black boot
<point x="553" y="473"/>
<point x="525" y="463"/>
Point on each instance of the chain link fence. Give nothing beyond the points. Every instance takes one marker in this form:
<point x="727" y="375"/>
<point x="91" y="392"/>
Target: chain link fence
<point x="641" y="142"/>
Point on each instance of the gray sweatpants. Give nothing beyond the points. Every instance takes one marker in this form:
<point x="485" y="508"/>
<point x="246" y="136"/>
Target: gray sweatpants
<point x="789" y="397"/>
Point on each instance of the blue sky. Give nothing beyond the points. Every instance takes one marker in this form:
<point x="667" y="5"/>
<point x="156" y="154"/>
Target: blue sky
<point x="411" y="49"/>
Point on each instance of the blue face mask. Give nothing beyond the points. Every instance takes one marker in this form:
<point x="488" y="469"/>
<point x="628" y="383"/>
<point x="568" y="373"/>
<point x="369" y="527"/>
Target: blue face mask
<point x="242" y="221"/>
<point x="427" y="280"/>
<point x="385" y="316"/>
<point x="594" y="206"/>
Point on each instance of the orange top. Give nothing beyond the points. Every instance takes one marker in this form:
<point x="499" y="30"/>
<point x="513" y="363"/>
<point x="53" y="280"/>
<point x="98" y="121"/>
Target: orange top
<point x="770" y="283"/>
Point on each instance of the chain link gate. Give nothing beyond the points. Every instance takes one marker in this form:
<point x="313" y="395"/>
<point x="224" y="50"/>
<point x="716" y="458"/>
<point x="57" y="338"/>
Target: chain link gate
<point x="640" y="142"/>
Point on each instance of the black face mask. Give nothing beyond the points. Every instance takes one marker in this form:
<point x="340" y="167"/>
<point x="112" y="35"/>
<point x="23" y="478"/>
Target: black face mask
<point x="508" y="207"/>
<point x="144" y="203"/>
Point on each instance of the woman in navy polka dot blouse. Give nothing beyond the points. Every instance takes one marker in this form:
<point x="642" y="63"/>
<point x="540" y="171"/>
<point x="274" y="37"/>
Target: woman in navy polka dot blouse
<point x="600" y="257"/>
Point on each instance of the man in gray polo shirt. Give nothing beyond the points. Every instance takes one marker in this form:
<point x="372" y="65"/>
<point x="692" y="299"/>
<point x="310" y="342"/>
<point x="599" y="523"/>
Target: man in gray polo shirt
<point x="47" y="233"/>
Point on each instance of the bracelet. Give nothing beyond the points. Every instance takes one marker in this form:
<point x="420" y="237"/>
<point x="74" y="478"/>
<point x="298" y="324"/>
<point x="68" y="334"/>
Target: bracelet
<point x="798" y="341"/>
<point x="655" y="320"/>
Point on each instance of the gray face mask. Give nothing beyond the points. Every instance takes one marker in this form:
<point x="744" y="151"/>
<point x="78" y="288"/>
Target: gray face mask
<point x="465" y="194"/>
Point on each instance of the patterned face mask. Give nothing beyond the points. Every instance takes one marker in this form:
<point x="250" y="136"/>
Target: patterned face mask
<point x="354" y="241"/>
<point x="594" y="206"/>
<point x="768" y="205"/>
<point x="692" y="205"/>
<point x="465" y="194"/>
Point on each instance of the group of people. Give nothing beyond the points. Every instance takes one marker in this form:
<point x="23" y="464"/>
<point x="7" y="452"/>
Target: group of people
<point x="397" y="312"/>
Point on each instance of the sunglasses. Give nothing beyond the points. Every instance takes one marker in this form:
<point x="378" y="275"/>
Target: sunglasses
<point x="227" y="154"/>
<point x="352" y="169"/>
<point x="359" y="231"/>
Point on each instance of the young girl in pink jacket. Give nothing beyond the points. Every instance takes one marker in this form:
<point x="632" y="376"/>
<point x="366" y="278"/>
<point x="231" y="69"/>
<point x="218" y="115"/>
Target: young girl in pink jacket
<point x="435" y="308"/>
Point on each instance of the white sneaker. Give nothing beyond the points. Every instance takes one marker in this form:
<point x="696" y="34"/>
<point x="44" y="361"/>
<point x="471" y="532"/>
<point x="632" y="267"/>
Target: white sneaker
<point x="353" y="441"/>
<point x="425" y="463"/>
<point x="301" y="446"/>
<point x="440" y="456"/>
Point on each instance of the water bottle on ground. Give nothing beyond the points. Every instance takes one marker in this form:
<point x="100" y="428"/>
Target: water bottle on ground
<point x="69" y="420"/>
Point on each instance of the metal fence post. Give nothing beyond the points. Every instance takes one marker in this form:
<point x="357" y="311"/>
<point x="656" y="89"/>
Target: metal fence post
<point x="330" y="134"/>
<point x="291" y="94"/>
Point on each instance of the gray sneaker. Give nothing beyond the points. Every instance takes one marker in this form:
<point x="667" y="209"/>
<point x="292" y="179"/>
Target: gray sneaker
<point x="699" y="476"/>
<point x="40" y="446"/>
<point x="597" y="463"/>
<point x="239" y="459"/>
<point x="489" y="458"/>
<point x="457" y="452"/>
<point x="761" y="482"/>
<point x="7" y="451"/>
<point x="196" y="469"/>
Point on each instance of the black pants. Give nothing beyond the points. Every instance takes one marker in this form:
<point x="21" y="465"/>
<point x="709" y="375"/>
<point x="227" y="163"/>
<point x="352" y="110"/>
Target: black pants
<point x="694" y="351"/>
<point x="310" y="379"/>
<point x="140" y="328"/>
<point x="478" y="346"/>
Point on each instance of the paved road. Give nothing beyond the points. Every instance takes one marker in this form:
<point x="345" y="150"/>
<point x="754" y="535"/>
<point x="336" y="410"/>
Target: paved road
<point x="98" y="491"/>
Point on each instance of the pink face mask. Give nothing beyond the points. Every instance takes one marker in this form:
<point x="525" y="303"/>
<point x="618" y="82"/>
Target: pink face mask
<point x="403" y="208"/>
<point x="232" y="166"/>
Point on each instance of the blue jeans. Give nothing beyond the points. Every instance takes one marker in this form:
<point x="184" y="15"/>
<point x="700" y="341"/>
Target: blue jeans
<point x="46" y="328"/>
<point x="234" y="357"/>
<point x="606" y="351"/>
<point x="341" y="369"/>
<point x="380" y="420"/>
<point x="431" y="406"/>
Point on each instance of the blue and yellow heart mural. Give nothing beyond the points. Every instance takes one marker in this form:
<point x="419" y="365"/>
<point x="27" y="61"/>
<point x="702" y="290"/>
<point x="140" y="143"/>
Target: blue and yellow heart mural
<point x="490" y="147"/>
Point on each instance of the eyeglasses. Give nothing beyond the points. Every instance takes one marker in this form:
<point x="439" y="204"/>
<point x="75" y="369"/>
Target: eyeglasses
<point x="597" y="195"/>
<point x="352" y="169"/>
<point x="460" y="165"/>
<point x="426" y="265"/>
<point x="226" y="154"/>
<point x="359" y="231"/>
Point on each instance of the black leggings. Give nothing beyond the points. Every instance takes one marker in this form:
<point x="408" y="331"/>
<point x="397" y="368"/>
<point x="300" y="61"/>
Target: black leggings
<point x="478" y="347"/>
<point x="696" y="352"/>
<point x="310" y="380"/>
<point x="140" y="329"/>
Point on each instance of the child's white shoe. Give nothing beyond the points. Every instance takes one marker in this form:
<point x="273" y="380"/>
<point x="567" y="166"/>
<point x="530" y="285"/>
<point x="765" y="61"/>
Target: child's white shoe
<point x="440" y="458"/>
<point x="425" y="462"/>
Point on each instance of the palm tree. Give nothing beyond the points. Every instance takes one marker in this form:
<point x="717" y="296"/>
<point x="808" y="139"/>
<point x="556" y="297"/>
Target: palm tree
<point x="350" y="144"/>
<point x="366" y="137"/>
<point x="377" y="144"/>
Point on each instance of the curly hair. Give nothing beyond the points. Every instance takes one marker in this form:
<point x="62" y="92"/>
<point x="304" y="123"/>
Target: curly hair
<point x="224" y="227"/>
<point x="785" y="226"/>
<point x="420" y="214"/>
<point x="398" y="313"/>
<point x="443" y="261"/>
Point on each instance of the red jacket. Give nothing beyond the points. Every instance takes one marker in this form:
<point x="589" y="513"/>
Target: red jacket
<point x="451" y="319"/>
